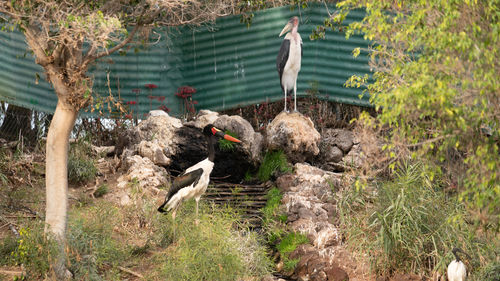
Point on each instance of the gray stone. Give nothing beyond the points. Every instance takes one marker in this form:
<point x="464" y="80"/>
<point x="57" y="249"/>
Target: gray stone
<point x="295" y="135"/>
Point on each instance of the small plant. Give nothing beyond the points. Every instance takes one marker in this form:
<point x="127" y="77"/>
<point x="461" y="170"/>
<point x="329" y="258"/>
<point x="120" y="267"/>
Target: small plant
<point x="274" y="161"/>
<point x="34" y="251"/>
<point x="287" y="245"/>
<point x="101" y="190"/>
<point x="81" y="170"/>
<point x="225" y="145"/>
<point x="81" y="167"/>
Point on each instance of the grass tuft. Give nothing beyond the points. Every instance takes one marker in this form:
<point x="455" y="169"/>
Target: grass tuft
<point x="212" y="250"/>
<point x="273" y="162"/>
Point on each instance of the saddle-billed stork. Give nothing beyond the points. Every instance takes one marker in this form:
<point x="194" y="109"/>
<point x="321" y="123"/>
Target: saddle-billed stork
<point x="193" y="182"/>
<point x="289" y="59"/>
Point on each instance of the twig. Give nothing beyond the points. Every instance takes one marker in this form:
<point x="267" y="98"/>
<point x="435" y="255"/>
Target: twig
<point x="130" y="272"/>
<point x="427" y="141"/>
<point x="11" y="272"/>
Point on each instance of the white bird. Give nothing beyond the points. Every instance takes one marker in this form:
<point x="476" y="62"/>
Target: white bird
<point x="289" y="59"/>
<point x="193" y="182"/>
<point x="456" y="268"/>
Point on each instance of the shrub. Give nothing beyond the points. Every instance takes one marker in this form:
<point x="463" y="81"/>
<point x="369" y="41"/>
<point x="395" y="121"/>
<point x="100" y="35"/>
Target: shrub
<point x="274" y="161"/>
<point x="81" y="167"/>
<point x="101" y="190"/>
<point x="34" y="251"/>
<point x="435" y="84"/>
<point x="408" y="224"/>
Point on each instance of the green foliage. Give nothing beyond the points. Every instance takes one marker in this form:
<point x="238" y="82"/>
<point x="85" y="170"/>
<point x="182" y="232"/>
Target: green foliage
<point x="274" y="161"/>
<point x="7" y="247"/>
<point x="287" y="245"/>
<point x="274" y="224"/>
<point x="274" y="197"/>
<point x="81" y="167"/>
<point x="213" y="249"/>
<point x="34" y="251"/>
<point x="226" y="145"/>
<point x="435" y="83"/>
<point x="409" y="224"/>
<point x="101" y="190"/>
<point x="91" y="244"/>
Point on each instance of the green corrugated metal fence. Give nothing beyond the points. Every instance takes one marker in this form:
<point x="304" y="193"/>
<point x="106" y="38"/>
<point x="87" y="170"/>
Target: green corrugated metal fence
<point x="228" y="64"/>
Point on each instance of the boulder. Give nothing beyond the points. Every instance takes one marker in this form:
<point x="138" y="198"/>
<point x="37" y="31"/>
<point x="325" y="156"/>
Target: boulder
<point x="144" y="171"/>
<point x="251" y="141"/>
<point x="153" y="138"/>
<point x="153" y="151"/>
<point x="203" y="118"/>
<point x="313" y="266"/>
<point x="295" y="135"/>
<point x="343" y="139"/>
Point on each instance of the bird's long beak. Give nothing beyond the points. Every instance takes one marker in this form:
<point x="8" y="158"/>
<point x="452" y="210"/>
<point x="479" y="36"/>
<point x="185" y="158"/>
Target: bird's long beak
<point x="287" y="28"/>
<point x="221" y="134"/>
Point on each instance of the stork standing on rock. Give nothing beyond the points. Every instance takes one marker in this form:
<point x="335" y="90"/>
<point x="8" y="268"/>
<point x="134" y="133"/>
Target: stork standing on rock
<point x="289" y="59"/>
<point x="193" y="182"/>
<point x="456" y="268"/>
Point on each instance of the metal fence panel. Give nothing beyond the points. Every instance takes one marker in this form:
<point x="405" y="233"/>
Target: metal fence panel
<point x="229" y="65"/>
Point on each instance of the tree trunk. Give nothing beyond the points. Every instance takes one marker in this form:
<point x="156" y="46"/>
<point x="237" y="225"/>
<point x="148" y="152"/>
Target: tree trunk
<point x="56" y="180"/>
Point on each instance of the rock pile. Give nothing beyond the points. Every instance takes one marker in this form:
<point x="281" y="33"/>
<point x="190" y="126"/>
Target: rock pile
<point x="309" y="203"/>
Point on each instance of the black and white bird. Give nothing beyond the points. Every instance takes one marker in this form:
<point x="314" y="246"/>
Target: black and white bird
<point x="193" y="182"/>
<point x="289" y="59"/>
<point x="456" y="268"/>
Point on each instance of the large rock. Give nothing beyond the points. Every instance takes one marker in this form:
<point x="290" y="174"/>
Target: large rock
<point x="144" y="172"/>
<point x="204" y="118"/>
<point x="343" y="139"/>
<point x="250" y="140"/>
<point x="153" y="138"/>
<point x="295" y="135"/>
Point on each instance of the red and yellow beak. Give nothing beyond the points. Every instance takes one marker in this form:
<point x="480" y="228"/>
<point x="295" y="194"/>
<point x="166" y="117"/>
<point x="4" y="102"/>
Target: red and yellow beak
<point x="221" y="134"/>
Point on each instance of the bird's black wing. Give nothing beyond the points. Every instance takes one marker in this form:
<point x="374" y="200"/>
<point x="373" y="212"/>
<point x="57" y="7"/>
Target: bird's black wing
<point x="183" y="180"/>
<point x="282" y="58"/>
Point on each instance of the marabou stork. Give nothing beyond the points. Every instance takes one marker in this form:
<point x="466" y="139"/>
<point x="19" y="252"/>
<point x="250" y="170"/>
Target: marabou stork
<point x="193" y="182"/>
<point x="289" y="59"/>
<point x="456" y="268"/>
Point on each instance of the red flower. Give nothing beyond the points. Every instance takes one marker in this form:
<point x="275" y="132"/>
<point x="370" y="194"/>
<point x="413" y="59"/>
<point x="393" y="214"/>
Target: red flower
<point x="151" y="97"/>
<point x="133" y="102"/>
<point x="194" y="102"/>
<point x="161" y="98"/>
<point x="136" y="91"/>
<point x="151" y="86"/>
<point x="164" y="108"/>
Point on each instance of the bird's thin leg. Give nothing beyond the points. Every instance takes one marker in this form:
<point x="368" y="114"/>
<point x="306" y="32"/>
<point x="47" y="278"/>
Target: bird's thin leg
<point x="295" y="96"/>
<point x="173" y="218"/>
<point x="285" y="97"/>
<point x="196" y="221"/>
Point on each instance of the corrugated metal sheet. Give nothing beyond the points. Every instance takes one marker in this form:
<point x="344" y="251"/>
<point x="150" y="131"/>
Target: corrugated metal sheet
<point x="229" y="65"/>
<point x="18" y="80"/>
<point x="235" y="66"/>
